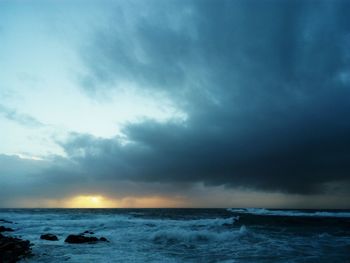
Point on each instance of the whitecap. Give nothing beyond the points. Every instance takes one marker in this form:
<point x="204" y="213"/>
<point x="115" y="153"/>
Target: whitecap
<point x="263" y="211"/>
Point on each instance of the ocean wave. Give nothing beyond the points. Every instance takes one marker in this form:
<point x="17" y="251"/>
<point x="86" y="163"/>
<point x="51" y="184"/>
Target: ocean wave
<point x="198" y="236"/>
<point x="181" y="236"/>
<point x="208" y="223"/>
<point x="193" y="237"/>
<point x="263" y="211"/>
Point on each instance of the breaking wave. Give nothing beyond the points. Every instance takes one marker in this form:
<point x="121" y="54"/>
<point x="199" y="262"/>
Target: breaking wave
<point x="192" y="237"/>
<point x="263" y="211"/>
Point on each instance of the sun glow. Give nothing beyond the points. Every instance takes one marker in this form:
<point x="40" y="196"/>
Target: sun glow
<point x="90" y="201"/>
<point x="99" y="201"/>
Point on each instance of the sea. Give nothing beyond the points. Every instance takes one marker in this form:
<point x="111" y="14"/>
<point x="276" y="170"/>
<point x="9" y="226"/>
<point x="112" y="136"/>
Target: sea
<point x="185" y="235"/>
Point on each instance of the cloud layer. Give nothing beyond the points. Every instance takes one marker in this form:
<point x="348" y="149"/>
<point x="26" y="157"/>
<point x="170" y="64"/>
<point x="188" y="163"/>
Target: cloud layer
<point x="264" y="87"/>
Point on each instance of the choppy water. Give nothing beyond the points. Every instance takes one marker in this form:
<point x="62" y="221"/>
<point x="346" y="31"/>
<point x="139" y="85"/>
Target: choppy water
<point x="186" y="235"/>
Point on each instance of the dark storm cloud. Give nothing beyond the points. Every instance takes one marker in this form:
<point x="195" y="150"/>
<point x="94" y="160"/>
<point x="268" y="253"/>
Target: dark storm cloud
<point x="265" y="85"/>
<point x="17" y="177"/>
<point x="27" y="177"/>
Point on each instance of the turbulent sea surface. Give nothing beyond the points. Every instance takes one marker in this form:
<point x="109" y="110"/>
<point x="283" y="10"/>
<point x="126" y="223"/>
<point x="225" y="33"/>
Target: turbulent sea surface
<point x="186" y="235"/>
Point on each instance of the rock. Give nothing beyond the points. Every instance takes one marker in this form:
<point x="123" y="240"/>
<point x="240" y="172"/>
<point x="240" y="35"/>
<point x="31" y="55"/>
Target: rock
<point x="88" y="232"/>
<point x="81" y="238"/>
<point x="13" y="249"/>
<point x="50" y="237"/>
<point x="4" y="229"/>
<point x="78" y="239"/>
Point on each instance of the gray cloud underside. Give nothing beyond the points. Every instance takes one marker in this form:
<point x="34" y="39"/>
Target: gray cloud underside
<point x="18" y="176"/>
<point x="265" y="85"/>
<point x="58" y="178"/>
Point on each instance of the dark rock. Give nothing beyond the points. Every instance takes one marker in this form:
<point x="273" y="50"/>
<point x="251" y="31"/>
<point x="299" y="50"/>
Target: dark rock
<point x="13" y="249"/>
<point x="88" y="232"/>
<point x="4" y="229"/>
<point x="103" y="239"/>
<point x="78" y="239"/>
<point x="50" y="237"/>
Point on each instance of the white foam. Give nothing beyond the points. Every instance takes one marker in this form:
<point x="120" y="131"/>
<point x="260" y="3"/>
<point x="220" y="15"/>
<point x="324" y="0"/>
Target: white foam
<point x="263" y="211"/>
<point x="243" y="229"/>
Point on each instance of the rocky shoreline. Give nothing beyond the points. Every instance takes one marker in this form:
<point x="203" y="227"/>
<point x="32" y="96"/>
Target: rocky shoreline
<point x="13" y="249"/>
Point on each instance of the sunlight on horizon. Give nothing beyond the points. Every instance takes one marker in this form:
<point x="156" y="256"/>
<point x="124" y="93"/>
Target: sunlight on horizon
<point x="99" y="201"/>
<point x="90" y="201"/>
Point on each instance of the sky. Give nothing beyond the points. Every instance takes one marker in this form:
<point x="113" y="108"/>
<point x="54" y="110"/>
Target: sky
<point x="196" y="103"/>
